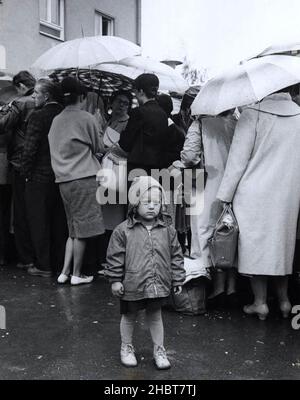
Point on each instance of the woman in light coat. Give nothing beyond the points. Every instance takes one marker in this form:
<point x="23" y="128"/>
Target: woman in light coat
<point x="262" y="179"/>
<point x="217" y="134"/>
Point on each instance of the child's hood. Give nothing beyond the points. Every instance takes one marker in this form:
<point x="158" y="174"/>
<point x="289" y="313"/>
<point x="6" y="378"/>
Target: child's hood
<point x="140" y="186"/>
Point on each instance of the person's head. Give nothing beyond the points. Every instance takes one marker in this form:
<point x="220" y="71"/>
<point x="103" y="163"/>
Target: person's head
<point x="146" y="198"/>
<point x="73" y="90"/>
<point x="23" y="82"/>
<point x="166" y="103"/>
<point x="121" y="103"/>
<point x="46" y="91"/>
<point x="146" y="87"/>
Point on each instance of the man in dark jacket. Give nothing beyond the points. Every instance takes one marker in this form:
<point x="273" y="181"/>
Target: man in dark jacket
<point x="15" y="121"/>
<point x="146" y="133"/>
<point x="44" y="206"/>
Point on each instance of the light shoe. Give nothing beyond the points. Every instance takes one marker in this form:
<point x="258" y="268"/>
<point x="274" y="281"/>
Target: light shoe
<point x="261" y="310"/>
<point x="160" y="358"/>
<point x="63" y="278"/>
<point x="285" y="308"/>
<point x="78" y="280"/>
<point x="128" y="355"/>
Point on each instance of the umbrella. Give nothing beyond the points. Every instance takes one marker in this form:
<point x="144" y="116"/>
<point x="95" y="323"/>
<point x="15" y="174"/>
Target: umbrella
<point x="84" y="52"/>
<point x="104" y="83"/>
<point x="132" y="67"/>
<point x="7" y="90"/>
<point x="247" y="83"/>
<point x="7" y="94"/>
<point x="280" y="48"/>
<point x="5" y="80"/>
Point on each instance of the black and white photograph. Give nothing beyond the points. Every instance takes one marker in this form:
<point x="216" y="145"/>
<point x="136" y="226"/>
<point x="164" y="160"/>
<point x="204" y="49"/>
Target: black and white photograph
<point x="150" y="193"/>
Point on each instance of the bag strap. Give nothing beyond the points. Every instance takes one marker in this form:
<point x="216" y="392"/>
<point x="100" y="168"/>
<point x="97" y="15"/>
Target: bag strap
<point x="227" y="208"/>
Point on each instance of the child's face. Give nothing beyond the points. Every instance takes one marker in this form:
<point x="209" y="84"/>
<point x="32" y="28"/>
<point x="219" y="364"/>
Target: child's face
<point x="150" y="204"/>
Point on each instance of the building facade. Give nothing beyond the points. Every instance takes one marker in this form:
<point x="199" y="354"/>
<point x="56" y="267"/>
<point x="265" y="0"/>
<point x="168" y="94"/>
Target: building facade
<point x="30" y="27"/>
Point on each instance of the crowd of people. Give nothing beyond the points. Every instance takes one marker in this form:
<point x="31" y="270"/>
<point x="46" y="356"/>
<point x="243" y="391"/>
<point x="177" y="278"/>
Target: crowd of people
<point x="53" y="138"/>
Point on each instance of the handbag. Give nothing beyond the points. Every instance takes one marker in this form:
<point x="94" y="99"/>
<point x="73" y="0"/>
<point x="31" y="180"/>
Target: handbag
<point x="224" y="241"/>
<point x="113" y="173"/>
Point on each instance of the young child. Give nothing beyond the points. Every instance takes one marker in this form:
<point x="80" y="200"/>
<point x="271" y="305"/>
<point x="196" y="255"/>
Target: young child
<point x="144" y="262"/>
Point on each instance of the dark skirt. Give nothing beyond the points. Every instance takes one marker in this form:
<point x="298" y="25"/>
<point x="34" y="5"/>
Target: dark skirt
<point x="144" y="304"/>
<point x="84" y="214"/>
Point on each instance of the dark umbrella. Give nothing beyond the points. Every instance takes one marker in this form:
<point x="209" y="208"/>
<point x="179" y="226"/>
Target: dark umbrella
<point x="104" y="83"/>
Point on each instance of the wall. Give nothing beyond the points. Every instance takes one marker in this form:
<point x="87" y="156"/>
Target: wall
<point x="19" y="26"/>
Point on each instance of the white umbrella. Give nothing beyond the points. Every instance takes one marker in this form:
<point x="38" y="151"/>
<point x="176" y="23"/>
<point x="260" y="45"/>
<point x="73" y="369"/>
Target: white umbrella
<point x="132" y="67"/>
<point x="246" y="84"/>
<point x="280" y="48"/>
<point x="85" y="52"/>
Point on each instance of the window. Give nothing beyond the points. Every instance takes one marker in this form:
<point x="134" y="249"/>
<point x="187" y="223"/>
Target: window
<point x="52" y="18"/>
<point x="104" y="25"/>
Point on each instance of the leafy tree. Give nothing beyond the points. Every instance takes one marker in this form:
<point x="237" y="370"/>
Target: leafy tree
<point x="194" y="76"/>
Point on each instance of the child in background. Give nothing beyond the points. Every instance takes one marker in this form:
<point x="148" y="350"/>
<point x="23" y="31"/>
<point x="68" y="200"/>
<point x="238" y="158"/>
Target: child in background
<point x="144" y="262"/>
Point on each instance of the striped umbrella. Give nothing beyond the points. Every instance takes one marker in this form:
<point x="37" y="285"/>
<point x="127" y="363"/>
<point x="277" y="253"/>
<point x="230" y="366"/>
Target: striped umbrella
<point x="103" y="82"/>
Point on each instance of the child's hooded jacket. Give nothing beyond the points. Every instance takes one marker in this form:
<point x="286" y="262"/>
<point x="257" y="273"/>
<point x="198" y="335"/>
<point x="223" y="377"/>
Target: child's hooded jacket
<point x="148" y="264"/>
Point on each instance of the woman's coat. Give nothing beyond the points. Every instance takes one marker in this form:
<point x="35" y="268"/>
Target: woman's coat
<point x="262" y="178"/>
<point x="217" y="133"/>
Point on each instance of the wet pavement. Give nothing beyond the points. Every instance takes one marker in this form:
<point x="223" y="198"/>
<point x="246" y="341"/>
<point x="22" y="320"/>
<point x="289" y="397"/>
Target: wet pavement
<point x="64" y="332"/>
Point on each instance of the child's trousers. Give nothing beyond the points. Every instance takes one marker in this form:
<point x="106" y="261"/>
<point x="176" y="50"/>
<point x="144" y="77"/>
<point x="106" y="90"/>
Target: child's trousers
<point x="154" y="321"/>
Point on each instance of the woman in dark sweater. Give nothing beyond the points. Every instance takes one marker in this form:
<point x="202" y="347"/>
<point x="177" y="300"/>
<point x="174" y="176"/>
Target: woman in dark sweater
<point x="44" y="206"/>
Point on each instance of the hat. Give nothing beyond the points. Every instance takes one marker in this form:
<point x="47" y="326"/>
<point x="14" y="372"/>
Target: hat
<point x="147" y="82"/>
<point x="70" y="85"/>
<point x="165" y="101"/>
<point x="140" y="186"/>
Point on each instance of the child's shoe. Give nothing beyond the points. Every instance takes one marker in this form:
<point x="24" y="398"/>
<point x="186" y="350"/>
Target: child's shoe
<point x="63" y="278"/>
<point x="261" y="310"/>
<point x="160" y="358"/>
<point x="285" y="308"/>
<point x="127" y="355"/>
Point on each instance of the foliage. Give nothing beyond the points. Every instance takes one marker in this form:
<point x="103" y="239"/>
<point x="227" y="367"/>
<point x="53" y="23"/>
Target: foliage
<point x="194" y="76"/>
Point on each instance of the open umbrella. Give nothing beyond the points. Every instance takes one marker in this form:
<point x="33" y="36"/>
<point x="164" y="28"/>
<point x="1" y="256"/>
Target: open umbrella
<point x="7" y="94"/>
<point x="280" y="48"/>
<point x="246" y="83"/>
<point x="5" y="80"/>
<point x="104" y="83"/>
<point x="7" y="90"/>
<point x="84" y="52"/>
<point x="132" y="67"/>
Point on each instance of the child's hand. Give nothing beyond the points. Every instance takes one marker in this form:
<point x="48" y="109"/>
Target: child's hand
<point x="177" y="290"/>
<point x="117" y="289"/>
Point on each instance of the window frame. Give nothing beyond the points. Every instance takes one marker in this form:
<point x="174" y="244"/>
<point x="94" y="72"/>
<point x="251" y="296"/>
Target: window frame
<point x="47" y="23"/>
<point x="111" y="19"/>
